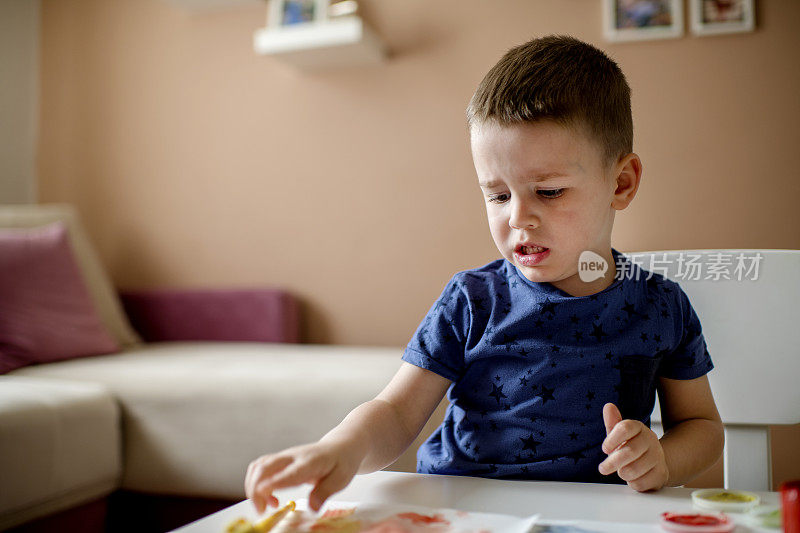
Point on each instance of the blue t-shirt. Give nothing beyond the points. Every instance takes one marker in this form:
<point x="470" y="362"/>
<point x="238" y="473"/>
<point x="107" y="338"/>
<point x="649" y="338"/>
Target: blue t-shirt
<point x="532" y="367"/>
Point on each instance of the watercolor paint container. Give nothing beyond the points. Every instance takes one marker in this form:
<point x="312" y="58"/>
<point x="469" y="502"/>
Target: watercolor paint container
<point x="696" y="523"/>
<point x="729" y="501"/>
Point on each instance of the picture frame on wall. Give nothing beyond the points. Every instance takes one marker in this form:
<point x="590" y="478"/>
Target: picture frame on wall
<point x="637" y="20"/>
<point x="714" y="17"/>
<point x="287" y="13"/>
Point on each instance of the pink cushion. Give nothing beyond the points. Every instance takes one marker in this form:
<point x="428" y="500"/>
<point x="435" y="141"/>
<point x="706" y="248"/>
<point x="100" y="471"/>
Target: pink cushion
<point x="46" y="313"/>
<point x="254" y="315"/>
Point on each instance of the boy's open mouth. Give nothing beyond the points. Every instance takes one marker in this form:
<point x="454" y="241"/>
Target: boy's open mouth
<point x="530" y="254"/>
<point x="526" y="249"/>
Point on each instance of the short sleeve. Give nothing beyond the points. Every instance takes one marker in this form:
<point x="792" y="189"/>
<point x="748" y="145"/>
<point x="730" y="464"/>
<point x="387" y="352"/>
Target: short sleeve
<point x="690" y="359"/>
<point x="438" y="344"/>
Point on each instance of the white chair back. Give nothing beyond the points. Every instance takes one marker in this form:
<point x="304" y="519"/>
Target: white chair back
<point x="747" y="302"/>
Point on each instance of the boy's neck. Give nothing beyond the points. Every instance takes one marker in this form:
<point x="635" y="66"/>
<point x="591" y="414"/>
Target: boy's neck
<point x="574" y="286"/>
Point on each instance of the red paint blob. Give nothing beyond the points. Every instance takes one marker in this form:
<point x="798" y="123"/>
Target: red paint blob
<point x="423" y="519"/>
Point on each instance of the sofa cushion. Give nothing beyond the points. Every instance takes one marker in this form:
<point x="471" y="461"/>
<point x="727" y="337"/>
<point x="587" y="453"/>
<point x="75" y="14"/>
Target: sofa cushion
<point x="256" y="315"/>
<point x="102" y="291"/>
<point x="196" y="414"/>
<point x="46" y="313"/>
<point x="59" y="446"/>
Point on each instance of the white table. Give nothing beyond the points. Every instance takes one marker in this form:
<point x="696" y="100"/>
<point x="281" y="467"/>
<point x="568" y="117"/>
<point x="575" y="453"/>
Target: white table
<point x="554" y="501"/>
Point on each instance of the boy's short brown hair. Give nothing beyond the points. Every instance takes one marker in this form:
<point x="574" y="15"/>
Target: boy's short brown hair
<point x="563" y="79"/>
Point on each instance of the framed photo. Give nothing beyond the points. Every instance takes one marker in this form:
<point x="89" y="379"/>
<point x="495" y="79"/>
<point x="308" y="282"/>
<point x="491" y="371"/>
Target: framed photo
<point x="636" y="20"/>
<point x="712" y="17"/>
<point x="283" y="13"/>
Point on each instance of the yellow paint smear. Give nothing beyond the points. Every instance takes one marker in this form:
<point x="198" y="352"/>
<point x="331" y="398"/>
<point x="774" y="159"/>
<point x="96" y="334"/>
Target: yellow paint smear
<point x="729" y="497"/>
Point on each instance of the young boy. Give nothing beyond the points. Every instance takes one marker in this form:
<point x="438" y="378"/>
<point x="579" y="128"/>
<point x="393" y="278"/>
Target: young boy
<point x="548" y="376"/>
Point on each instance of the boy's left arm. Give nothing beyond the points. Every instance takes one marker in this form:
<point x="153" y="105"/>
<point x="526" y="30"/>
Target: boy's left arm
<point x="692" y="442"/>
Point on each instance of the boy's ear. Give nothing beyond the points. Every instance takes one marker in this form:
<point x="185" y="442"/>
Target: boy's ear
<point x="627" y="173"/>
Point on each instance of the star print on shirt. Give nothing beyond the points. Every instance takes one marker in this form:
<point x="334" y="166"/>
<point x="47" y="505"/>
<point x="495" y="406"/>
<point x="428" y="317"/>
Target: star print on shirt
<point x="576" y="456"/>
<point x="598" y="332"/>
<point x="547" y="394"/>
<point x="548" y="307"/>
<point x="508" y="339"/>
<point x="628" y="308"/>
<point x="529" y="443"/>
<point x="478" y="303"/>
<point x="497" y="392"/>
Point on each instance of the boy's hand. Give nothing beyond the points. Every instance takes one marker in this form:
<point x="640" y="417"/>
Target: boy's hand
<point x="328" y="466"/>
<point x="634" y="452"/>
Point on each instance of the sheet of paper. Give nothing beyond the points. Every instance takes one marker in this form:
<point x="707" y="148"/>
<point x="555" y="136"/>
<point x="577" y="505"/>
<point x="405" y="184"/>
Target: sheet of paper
<point x="374" y="517"/>
<point x="591" y="526"/>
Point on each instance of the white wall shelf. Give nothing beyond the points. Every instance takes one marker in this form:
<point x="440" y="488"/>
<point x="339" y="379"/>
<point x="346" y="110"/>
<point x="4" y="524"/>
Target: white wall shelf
<point x="339" y="42"/>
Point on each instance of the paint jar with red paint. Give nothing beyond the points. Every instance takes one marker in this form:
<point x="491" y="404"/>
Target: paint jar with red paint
<point x="790" y="501"/>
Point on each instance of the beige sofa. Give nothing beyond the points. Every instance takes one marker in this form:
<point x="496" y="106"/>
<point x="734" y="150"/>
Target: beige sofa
<point x="172" y="418"/>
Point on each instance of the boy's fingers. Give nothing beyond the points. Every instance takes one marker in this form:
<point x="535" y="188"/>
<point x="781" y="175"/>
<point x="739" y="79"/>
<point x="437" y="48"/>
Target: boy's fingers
<point x="257" y="472"/>
<point x="330" y="484"/>
<point x="270" y="466"/>
<point x="296" y="474"/>
<point x="638" y="467"/>
<point x="622" y="432"/>
<point x="622" y="457"/>
<point x="611" y="416"/>
<point x="648" y="481"/>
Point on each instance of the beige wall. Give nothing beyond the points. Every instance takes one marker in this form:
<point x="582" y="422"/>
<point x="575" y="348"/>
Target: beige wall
<point x="195" y="162"/>
<point x="19" y="99"/>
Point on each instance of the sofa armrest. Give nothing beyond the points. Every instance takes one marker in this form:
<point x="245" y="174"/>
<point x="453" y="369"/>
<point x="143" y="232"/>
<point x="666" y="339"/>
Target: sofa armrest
<point x="255" y="315"/>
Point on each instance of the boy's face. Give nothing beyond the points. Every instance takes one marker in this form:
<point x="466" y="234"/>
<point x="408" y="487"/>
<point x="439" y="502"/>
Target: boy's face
<point x="546" y="185"/>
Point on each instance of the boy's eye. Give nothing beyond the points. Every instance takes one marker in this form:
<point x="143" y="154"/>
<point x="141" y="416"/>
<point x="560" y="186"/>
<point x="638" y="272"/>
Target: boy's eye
<point x="499" y="198"/>
<point x="550" y="193"/>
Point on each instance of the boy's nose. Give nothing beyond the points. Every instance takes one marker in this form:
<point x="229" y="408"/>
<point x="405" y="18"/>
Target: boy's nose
<point x="522" y="216"/>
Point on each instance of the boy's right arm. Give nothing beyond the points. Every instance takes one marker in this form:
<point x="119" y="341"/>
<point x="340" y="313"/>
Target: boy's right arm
<point x="371" y="437"/>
